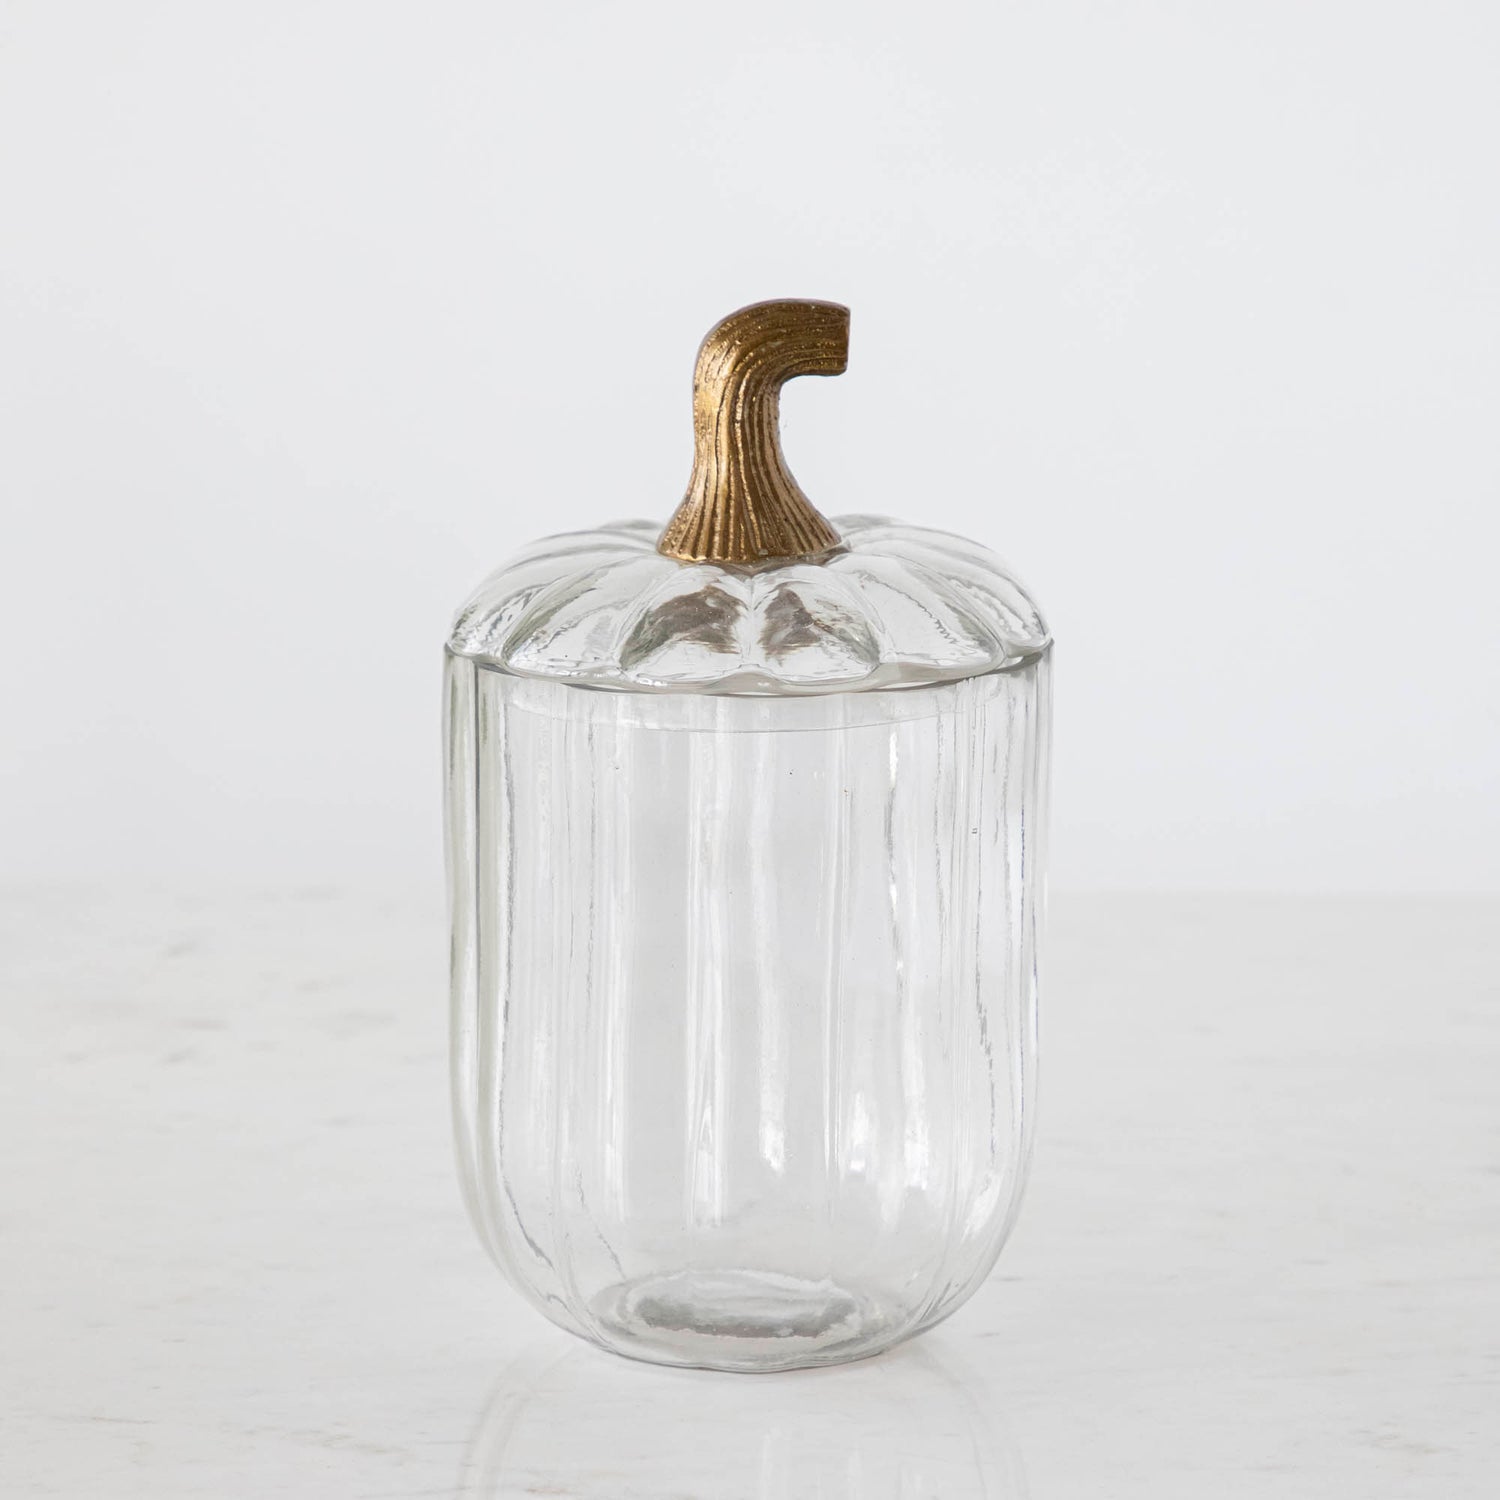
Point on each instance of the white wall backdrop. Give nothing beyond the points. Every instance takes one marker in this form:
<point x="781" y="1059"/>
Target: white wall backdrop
<point x="314" y="311"/>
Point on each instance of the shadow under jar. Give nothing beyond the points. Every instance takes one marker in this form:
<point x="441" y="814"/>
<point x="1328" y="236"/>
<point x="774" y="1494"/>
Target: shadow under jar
<point x="745" y="864"/>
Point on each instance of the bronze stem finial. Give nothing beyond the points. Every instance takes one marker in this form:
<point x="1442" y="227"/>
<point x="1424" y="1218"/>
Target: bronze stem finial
<point x="742" y="504"/>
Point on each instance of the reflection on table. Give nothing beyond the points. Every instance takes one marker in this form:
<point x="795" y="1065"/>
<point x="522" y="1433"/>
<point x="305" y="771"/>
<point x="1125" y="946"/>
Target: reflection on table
<point x="587" y="1425"/>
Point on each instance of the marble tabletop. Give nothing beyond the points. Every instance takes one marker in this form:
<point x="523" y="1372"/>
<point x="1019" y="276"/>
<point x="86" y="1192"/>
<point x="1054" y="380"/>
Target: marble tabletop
<point x="1260" y="1255"/>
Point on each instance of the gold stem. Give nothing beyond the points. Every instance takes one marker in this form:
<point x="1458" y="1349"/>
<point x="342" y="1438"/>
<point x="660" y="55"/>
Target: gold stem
<point x="742" y="504"/>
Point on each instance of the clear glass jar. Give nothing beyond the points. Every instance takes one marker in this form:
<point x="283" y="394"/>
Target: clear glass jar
<point x="746" y="880"/>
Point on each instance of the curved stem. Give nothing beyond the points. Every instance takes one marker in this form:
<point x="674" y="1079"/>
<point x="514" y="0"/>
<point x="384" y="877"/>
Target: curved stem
<point x="742" y="504"/>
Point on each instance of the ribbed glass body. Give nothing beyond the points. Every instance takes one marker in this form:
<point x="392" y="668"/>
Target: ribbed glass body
<point x="744" y="1002"/>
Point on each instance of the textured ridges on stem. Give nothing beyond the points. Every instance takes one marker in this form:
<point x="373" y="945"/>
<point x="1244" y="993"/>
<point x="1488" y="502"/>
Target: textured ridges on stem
<point x="742" y="504"/>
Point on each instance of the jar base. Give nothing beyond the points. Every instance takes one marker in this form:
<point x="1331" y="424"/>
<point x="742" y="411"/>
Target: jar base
<point x="743" y="1320"/>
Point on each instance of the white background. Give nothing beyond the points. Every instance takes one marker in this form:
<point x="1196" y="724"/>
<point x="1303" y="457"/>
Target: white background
<point x="312" y="312"/>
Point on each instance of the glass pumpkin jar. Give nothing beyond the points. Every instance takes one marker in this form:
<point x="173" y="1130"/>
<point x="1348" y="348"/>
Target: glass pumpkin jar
<point x="745" y="849"/>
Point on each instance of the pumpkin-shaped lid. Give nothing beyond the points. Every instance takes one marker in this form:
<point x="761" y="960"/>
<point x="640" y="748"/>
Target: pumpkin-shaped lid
<point x="749" y="589"/>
